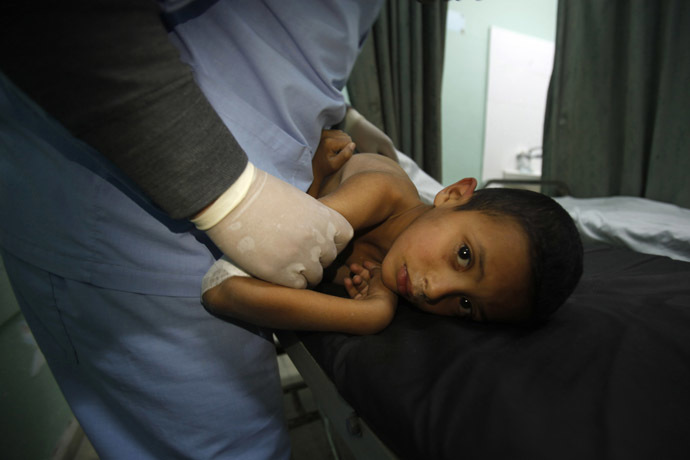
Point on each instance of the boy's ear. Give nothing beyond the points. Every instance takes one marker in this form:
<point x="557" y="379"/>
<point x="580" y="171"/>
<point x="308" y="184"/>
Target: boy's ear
<point x="458" y="193"/>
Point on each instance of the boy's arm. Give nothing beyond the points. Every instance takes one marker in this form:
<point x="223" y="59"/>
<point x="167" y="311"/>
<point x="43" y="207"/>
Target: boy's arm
<point x="366" y="191"/>
<point x="270" y="305"/>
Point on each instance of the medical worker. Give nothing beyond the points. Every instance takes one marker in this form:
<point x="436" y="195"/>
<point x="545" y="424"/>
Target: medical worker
<point x="109" y="148"/>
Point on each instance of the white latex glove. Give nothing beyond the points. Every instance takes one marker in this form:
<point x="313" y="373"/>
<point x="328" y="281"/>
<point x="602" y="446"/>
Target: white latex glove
<point x="275" y="231"/>
<point x="367" y="137"/>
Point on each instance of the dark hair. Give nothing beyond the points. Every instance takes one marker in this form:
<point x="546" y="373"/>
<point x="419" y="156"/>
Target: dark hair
<point x="555" y="246"/>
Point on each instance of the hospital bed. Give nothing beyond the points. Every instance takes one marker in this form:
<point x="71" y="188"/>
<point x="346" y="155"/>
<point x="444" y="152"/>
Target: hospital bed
<point x="607" y="377"/>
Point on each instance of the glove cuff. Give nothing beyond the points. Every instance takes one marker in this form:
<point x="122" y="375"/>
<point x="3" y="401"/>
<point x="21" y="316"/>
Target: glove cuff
<point x="227" y="201"/>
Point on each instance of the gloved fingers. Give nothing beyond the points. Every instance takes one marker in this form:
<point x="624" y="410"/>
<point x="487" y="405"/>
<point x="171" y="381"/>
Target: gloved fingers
<point x="312" y="273"/>
<point x="341" y="231"/>
<point x="327" y="254"/>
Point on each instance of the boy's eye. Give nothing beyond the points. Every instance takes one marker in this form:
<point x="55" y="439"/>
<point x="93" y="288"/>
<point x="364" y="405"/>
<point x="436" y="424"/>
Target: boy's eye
<point x="464" y="256"/>
<point x="466" y="304"/>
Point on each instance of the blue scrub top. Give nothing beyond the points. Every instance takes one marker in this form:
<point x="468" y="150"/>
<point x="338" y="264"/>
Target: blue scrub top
<point x="274" y="71"/>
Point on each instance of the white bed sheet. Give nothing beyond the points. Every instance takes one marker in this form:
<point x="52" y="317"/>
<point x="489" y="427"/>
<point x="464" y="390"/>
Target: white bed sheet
<point x="643" y="225"/>
<point x="426" y="185"/>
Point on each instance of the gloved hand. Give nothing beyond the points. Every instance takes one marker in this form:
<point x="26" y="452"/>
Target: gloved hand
<point x="367" y="136"/>
<point x="274" y="231"/>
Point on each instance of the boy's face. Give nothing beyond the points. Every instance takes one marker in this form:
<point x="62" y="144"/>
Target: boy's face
<point x="461" y="263"/>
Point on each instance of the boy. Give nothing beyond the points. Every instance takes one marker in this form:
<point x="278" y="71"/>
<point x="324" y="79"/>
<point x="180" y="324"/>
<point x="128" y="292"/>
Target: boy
<point x="493" y="255"/>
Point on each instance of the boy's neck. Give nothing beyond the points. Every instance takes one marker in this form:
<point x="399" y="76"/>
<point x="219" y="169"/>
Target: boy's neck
<point x="389" y="231"/>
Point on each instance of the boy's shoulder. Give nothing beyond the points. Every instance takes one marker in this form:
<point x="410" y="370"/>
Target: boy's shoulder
<point x="383" y="175"/>
<point x="373" y="163"/>
<point x="382" y="172"/>
<point x="368" y="189"/>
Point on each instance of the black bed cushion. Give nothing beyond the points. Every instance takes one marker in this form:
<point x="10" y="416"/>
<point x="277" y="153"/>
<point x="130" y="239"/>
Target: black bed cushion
<point x="608" y="376"/>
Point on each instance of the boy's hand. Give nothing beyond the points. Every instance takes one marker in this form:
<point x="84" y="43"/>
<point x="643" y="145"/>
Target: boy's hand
<point x="357" y="284"/>
<point x="334" y="149"/>
<point x="365" y="284"/>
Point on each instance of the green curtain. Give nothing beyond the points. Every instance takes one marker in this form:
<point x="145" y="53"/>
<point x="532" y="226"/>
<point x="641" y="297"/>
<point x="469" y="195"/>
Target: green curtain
<point x="618" y="109"/>
<point x="396" y="82"/>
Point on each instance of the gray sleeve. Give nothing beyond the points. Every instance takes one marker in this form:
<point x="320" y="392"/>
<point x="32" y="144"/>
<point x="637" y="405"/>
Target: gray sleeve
<point x="107" y="71"/>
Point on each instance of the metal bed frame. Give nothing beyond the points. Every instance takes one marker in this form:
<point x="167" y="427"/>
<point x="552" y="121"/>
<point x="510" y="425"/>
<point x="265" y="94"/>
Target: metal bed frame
<point x="337" y="415"/>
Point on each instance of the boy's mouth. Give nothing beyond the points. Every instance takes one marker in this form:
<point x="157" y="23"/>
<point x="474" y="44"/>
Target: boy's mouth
<point x="403" y="281"/>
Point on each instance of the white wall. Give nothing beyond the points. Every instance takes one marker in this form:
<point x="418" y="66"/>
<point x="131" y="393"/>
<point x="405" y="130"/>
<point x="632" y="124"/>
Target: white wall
<point x="519" y="72"/>
<point x="465" y="76"/>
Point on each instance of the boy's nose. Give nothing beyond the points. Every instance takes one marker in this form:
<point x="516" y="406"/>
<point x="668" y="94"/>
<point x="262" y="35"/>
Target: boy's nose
<point x="436" y="287"/>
